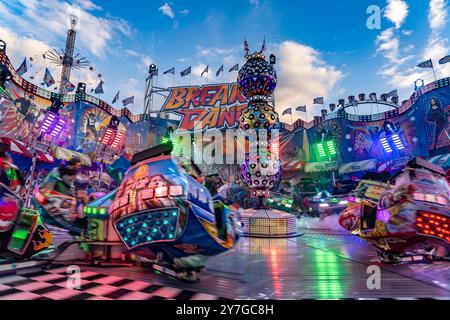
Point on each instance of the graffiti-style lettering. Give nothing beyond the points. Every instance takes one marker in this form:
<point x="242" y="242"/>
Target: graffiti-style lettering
<point x="206" y="107"/>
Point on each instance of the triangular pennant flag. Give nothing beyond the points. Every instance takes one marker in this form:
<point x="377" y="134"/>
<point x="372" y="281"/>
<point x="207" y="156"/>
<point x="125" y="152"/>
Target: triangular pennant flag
<point x="318" y="100"/>
<point x="301" y="109"/>
<point x="287" y="111"/>
<point x="426" y="64"/>
<point x="70" y="86"/>
<point x="186" y="72"/>
<point x="48" y="78"/>
<point x="445" y="60"/>
<point x="22" y="68"/>
<point x="234" y="68"/>
<point x="171" y="70"/>
<point x="205" y="71"/>
<point x="219" y="71"/>
<point x="99" y="88"/>
<point x="128" y="101"/>
<point x="116" y="97"/>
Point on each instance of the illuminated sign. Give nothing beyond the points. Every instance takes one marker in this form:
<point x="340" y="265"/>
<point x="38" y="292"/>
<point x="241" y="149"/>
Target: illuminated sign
<point x="206" y="107"/>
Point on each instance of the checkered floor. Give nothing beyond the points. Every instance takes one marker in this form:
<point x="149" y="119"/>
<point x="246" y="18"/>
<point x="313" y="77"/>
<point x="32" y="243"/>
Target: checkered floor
<point x="52" y="285"/>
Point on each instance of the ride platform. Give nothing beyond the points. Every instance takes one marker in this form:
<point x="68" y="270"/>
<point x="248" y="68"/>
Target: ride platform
<point x="321" y="264"/>
<point x="269" y="223"/>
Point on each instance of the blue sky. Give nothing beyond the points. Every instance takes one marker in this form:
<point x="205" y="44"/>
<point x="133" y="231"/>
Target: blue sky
<point x="323" y="47"/>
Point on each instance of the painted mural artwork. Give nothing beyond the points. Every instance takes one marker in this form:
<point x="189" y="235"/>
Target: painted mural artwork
<point x="363" y="139"/>
<point x="92" y="121"/>
<point x="438" y="117"/>
<point x="19" y="110"/>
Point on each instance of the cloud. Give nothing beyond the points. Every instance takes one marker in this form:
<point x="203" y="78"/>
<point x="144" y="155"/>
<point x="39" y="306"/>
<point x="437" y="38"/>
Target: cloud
<point x="302" y="76"/>
<point x="167" y="10"/>
<point x="133" y="87"/>
<point x="87" y="4"/>
<point x="146" y="61"/>
<point x="396" y="11"/>
<point x="295" y="63"/>
<point x="48" y="19"/>
<point x="389" y="45"/>
<point x="437" y="16"/>
<point x="254" y="2"/>
<point x="184" y="12"/>
<point x="400" y="69"/>
<point x="437" y="46"/>
<point x="394" y="69"/>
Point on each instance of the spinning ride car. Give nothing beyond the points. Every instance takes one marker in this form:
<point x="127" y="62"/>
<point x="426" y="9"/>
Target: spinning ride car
<point x="325" y="203"/>
<point x="411" y="218"/>
<point x="22" y="231"/>
<point x="164" y="215"/>
<point x="281" y="202"/>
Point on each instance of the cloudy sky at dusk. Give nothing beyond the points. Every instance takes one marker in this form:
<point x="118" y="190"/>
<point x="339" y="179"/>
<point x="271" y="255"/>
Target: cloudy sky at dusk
<point x="323" y="48"/>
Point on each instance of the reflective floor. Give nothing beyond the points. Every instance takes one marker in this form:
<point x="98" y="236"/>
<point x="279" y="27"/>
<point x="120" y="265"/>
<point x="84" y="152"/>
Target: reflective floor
<point x="319" y="265"/>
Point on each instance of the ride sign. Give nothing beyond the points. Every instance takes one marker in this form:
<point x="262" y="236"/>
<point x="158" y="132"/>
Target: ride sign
<point x="206" y="107"/>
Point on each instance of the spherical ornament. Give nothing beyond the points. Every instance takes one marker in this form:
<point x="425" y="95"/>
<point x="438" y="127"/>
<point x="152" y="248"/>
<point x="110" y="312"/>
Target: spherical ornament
<point x="260" y="171"/>
<point x="257" y="78"/>
<point x="258" y="115"/>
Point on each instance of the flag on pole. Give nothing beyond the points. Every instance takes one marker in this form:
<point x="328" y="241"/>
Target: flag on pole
<point x="301" y="109"/>
<point x="186" y="72"/>
<point x="246" y="48"/>
<point x="99" y="88"/>
<point x="48" y="79"/>
<point x="22" y="68"/>
<point x="393" y="93"/>
<point x="445" y="60"/>
<point x="318" y="100"/>
<point x="426" y="64"/>
<point x="287" y="111"/>
<point x="219" y="71"/>
<point x="128" y="101"/>
<point x="205" y="71"/>
<point x="234" y="68"/>
<point x="116" y="97"/>
<point x="70" y="86"/>
<point x="171" y="71"/>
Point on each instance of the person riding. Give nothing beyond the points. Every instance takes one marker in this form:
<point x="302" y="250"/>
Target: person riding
<point x="10" y="175"/>
<point x="61" y="179"/>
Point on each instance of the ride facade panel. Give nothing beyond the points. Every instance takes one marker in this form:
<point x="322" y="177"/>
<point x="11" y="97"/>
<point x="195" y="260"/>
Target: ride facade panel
<point x="418" y="127"/>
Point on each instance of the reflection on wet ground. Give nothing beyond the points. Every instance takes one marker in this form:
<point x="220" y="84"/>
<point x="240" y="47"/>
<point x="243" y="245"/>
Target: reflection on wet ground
<point x="320" y="264"/>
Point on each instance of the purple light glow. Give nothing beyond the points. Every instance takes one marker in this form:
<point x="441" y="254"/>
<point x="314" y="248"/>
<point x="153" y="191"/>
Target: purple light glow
<point x="52" y="124"/>
<point x="383" y="215"/>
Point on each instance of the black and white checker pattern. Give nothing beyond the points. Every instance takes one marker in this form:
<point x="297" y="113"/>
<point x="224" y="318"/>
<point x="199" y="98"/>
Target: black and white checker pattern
<point x="52" y="285"/>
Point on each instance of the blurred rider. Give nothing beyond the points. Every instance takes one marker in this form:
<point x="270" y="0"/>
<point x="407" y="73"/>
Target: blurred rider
<point x="62" y="178"/>
<point x="9" y="176"/>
